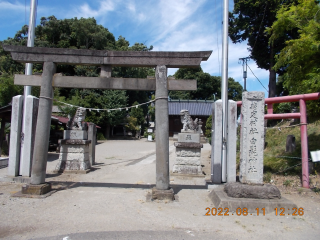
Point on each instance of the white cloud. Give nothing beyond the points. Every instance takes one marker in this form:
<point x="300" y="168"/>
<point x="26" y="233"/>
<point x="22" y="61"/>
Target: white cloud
<point x="12" y="6"/>
<point x="87" y="11"/>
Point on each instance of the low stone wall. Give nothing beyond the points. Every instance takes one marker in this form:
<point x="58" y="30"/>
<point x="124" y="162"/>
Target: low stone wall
<point x="4" y="162"/>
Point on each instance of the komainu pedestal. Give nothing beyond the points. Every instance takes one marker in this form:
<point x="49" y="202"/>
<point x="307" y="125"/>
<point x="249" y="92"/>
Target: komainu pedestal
<point x="188" y="158"/>
<point x="188" y="147"/>
<point x="74" y="148"/>
<point x="74" y="156"/>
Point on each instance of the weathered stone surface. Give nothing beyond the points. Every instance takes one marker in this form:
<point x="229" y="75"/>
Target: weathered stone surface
<point x="74" y="142"/>
<point x="103" y="57"/>
<point x="92" y="135"/>
<point x="188" y="161"/>
<point x="41" y="142"/>
<point x="27" y="142"/>
<point x="73" y="156"/>
<point x="73" y="149"/>
<point x="188" y="152"/>
<point x="188" y="145"/>
<point x="232" y="142"/>
<point x="162" y="194"/>
<point x="239" y="190"/>
<point x="15" y="136"/>
<point x="138" y="84"/>
<point x="216" y="142"/>
<point x="221" y="200"/>
<point x="189" y="137"/>
<point x="252" y="138"/>
<point x="39" y="189"/>
<point x="75" y="134"/>
<point x="72" y="165"/>
<point x="162" y="129"/>
<point x="186" y="169"/>
<point x="216" y="164"/>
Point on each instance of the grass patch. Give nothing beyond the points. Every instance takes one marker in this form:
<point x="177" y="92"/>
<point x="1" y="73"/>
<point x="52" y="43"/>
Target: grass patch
<point x="276" y="147"/>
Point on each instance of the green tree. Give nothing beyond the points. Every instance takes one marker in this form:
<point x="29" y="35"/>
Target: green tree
<point x="300" y="56"/>
<point x="8" y="89"/>
<point x="248" y="21"/>
<point x="208" y="130"/>
<point x="99" y="99"/>
<point x="207" y="86"/>
<point x="83" y="34"/>
<point x="137" y="112"/>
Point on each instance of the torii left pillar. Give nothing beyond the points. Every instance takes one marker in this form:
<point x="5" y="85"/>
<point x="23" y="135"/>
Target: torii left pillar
<point x="38" y="185"/>
<point x="162" y="191"/>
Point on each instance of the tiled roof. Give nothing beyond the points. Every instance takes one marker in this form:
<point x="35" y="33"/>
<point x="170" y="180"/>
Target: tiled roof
<point x="196" y="108"/>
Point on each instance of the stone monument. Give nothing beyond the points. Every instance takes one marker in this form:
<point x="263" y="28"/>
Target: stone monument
<point x="74" y="149"/>
<point x="188" y="147"/>
<point x="252" y="138"/>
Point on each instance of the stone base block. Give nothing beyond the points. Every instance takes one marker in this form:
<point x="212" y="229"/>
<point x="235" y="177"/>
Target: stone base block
<point x="71" y="156"/>
<point x="187" y="169"/>
<point x="188" y="152"/>
<point x="72" y="165"/>
<point x="40" y="189"/>
<point x="238" y="190"/>
<point x="162" y="194"/>
<point x="74" y="149"/>
<point x="75" y="134"/>
<point x="189" y="137"/>
<point x="220" y="199"/>
<point x="192" y="161"/>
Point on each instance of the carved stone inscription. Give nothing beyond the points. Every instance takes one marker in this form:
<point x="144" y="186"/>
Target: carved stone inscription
<point x="252" y="137"/>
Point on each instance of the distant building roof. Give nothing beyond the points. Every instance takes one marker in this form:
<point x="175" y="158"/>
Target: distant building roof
<point x="195" y="107"/>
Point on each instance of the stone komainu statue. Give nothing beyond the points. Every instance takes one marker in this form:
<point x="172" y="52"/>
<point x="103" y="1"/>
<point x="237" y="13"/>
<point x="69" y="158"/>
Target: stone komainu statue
<point x="76" y="122"/>
<point x="187" y="121"/>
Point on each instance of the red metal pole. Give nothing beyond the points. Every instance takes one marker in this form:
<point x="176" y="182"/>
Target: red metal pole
<point x="282" y="115"/>
<point x="304" y="143"/>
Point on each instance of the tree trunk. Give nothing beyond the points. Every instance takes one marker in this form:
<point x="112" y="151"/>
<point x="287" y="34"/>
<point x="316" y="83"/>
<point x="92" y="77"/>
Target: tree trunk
<point x="272" y="76"/>
<point x="107" y="133"/>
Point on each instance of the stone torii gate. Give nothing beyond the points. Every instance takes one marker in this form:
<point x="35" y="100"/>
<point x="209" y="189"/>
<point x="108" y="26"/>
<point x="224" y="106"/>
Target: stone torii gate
<point x="106" y="60"/>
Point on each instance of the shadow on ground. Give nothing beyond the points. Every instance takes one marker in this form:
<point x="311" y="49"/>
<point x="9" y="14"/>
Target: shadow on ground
<point x="63" y="185"/>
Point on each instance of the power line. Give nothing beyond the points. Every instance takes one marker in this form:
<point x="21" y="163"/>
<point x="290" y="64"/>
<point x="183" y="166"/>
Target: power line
<point x="257" y="79"/>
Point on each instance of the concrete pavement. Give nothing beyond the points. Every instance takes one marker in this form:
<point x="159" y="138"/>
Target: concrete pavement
<point x="111" y="203"/>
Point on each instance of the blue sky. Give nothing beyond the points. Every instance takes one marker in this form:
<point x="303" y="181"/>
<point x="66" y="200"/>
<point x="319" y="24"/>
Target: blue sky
<point x="168" y="25"/>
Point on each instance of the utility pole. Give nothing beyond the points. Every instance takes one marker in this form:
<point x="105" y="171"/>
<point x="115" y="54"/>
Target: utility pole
<point x="224" y="90"/>
<point x="244" y="65"/>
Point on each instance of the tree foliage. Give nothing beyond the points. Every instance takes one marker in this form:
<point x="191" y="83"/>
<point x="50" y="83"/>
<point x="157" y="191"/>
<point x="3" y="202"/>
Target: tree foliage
<point x="248" y="21"/>
<point x="300" y="57"/>
<point x="209" y="87"/>
<point x="137" y="112"/>
<point x="83" y="33"/>
<point x="8" y="89"/>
